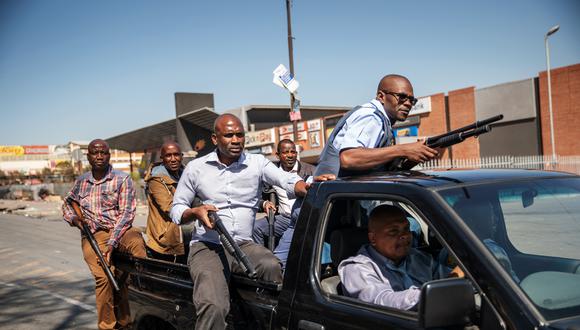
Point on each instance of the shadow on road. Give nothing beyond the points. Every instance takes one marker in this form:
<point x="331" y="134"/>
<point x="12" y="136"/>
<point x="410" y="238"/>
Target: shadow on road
<point x="51" y="304"/>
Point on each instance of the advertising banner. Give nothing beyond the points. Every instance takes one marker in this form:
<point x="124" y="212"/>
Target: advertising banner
<point x="36" y="150"/>
<point x="314" y="125"/>
<point x="406" y="131"/>
<point x="422" y="106"/>
<point x="11" y="151"/>
<point x="259" y="138"/>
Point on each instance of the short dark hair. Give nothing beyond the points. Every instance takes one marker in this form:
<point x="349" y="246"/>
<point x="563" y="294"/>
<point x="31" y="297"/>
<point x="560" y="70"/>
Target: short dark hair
<point x="284" y="141"/>
<point x="384" y="213"/>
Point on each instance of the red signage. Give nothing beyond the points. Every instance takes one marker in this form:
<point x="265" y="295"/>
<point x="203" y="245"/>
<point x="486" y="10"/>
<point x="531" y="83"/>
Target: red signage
<point x="36" y="150"/>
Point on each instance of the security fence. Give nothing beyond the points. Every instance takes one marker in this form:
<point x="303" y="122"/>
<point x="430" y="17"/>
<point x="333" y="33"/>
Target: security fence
<point x="560" y="163"/>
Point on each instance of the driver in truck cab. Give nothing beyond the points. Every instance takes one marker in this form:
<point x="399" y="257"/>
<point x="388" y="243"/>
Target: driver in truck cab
<point x="388" y="271"/>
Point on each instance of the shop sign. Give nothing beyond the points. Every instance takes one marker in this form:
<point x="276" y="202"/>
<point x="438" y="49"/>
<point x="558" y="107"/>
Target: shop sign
<point x="406" y="131"/>
<point x="314" y="139"/>
<point x="422" y="106"/>
<point x="259" y="138"/>
<point x="11" y="150"/>
<point x="36" y="150"/>
<point x="286" y="129"/>
<point x="314" y="125"/>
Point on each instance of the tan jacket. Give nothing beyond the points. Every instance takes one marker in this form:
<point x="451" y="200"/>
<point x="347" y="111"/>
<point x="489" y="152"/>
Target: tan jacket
<point x="163" y="235"/>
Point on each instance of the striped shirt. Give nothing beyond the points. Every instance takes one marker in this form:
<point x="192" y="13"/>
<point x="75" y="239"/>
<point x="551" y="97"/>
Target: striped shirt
<point x="107" y="204"/>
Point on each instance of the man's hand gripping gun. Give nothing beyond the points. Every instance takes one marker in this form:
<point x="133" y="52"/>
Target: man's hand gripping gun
<point x="231" y="246"/>
<point x="87" y="232"/>
<point x="448" y="139"/>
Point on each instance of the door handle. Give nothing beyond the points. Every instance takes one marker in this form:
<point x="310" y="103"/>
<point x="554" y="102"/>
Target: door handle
<point x="308" y="325"/>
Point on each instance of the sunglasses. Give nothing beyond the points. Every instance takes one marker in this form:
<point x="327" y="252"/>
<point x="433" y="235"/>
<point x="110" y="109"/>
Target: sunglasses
<point x="402" y="97"/>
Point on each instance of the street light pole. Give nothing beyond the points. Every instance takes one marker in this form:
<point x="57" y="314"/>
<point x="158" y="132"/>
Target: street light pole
<point x="553" y="30"/>
<point x="291" y="63"/>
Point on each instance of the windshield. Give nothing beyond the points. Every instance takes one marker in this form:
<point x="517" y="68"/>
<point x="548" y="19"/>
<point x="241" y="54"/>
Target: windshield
<point x="533" y="229"/>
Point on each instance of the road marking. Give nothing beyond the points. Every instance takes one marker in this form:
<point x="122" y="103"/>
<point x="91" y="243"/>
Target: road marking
<point x="71" y="301"/>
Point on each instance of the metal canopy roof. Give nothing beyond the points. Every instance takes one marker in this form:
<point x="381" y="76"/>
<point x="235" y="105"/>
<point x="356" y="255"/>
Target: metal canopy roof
<point x="203" y="117"/>
<point x="154" y="136"/>
<point x="262" y="116"/>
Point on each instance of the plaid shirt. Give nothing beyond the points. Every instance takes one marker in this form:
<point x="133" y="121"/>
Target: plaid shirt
<point x="107" y="204"/>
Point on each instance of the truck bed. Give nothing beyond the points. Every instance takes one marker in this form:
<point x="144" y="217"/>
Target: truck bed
<point x="160" y="294"/>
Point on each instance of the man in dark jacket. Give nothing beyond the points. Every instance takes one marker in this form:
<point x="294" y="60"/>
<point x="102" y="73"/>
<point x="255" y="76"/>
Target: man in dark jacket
<point x="164" y="237"/>
<point x="286" y="152"/>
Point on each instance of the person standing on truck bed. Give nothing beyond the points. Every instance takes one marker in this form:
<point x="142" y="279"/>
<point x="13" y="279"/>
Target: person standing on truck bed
<point x="165" y="240"/>
<point x="286" y="152"/>
<point x="363" y="140"/>
<point x="389" y="271"/>
<point x="107" y="200"/>
<point x="229" y="182"/>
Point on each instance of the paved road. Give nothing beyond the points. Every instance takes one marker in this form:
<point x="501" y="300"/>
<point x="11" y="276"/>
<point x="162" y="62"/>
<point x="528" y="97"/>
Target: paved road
<point x="44" y="281"/>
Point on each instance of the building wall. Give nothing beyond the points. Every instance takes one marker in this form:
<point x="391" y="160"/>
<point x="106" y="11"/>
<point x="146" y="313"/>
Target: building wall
<point x="435" y="122"/>
<point x="515" y="100"/>
<point x="566" y="110"/>
<point x="461" y="104"/>
<point x="513" y="138"/>
<point x="517" y="133"/>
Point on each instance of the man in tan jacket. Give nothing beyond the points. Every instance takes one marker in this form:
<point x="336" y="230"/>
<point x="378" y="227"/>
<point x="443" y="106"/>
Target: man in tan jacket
<point x="165" y="240"/>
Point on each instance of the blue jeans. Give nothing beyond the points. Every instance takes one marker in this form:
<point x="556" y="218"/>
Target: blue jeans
<point x="281" y="223"/>
<point x="283" y="247"/>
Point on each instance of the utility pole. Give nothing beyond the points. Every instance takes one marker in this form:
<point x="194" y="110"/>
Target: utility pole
<point x="291" y="63"/>
<point x="553" y="30"/>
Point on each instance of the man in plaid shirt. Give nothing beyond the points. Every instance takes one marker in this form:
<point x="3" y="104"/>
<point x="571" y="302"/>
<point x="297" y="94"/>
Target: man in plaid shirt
<point x="107" y="200"/>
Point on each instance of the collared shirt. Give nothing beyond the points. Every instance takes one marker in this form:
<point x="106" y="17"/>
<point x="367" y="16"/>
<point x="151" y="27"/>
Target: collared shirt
<point x="373" y="278"/>
<point x="363" y="128"/>
<point x="284" y="203"/>
<point x="235" y="190"/>
<point x="107" y="204"/>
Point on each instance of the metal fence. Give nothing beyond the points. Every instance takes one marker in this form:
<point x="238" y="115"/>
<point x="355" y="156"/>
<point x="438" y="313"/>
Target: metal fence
<point x="560" y="163"/>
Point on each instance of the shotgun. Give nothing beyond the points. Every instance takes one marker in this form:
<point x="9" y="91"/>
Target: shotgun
<point x="271" y="220"/>
<point x="231" y="246"/>
<point x="87" y="232"/>
<point x="447" y="139"/>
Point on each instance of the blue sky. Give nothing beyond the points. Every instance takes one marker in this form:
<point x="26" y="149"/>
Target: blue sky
<point x="78" y="70"/>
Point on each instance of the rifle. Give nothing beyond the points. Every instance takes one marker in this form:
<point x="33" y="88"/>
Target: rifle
<point x="231" y="246"/>
<point x="87" y="232"/>
<point x="448" y="139"/>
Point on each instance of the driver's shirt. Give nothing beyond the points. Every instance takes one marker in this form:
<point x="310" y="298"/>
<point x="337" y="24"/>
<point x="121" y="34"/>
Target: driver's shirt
<point x="373" y="278"/>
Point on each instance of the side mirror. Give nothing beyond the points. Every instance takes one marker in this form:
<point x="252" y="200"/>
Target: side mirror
<point x="528" y="197"/>
<point x="446" y="302"/>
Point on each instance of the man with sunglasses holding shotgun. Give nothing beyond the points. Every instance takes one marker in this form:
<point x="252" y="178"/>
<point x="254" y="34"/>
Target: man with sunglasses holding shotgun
<point x="363" y="140"/>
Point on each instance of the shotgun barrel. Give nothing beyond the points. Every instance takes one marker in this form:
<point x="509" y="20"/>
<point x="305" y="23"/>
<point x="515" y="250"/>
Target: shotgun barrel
<point x="447" y="139"/>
